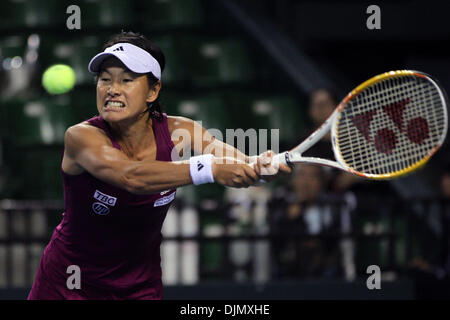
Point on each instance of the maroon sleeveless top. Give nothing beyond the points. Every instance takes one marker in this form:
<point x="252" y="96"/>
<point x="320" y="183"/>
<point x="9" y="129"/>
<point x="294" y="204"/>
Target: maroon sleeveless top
<point x="114" y="236"/>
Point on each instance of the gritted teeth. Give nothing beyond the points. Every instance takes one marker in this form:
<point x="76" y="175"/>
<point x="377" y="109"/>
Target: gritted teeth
<point x="114" y="104"/>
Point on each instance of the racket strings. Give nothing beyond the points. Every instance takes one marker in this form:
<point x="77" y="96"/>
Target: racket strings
<point x="386" y="138"/>
<point x="383" y="135"/>
<point x="391" y="125"/>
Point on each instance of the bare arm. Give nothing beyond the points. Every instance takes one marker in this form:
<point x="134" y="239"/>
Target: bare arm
<point x="91" y="150"/>
<point x="190" y="135"/>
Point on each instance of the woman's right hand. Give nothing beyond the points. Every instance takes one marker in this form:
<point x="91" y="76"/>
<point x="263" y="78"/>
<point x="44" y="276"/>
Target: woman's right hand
<point x="233" y="173"/>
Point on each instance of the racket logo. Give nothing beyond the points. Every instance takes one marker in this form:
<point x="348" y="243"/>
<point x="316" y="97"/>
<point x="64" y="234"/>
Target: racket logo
<point x="385" y="140"/>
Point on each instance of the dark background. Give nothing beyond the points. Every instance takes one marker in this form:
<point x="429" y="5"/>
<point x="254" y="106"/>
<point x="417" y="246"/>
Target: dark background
<point x="222" y="57"/>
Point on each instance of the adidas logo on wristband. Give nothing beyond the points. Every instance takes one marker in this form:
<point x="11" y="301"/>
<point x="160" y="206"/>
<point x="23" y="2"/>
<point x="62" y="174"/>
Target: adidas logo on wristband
<point x="200" y="168"/>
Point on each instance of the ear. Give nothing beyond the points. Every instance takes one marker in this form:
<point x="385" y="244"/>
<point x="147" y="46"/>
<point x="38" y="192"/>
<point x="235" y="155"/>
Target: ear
<point x="153" y="92"/>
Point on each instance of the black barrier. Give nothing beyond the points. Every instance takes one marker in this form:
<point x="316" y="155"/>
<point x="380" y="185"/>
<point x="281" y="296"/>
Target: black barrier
<point x="18" y="229"/>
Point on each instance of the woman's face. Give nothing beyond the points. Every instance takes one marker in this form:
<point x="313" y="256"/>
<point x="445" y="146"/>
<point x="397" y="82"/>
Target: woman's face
<point x="121" y="93"/>
<point x="321" y="106"/>
<point x="445" y="185"/>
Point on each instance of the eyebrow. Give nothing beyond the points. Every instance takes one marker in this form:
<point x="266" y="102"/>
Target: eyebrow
<point x="103" y="70"/>
<point x="129" y="72"/>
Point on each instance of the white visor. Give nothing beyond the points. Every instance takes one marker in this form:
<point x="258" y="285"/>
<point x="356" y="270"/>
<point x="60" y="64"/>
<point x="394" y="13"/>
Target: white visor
<point x="134" y="58"/>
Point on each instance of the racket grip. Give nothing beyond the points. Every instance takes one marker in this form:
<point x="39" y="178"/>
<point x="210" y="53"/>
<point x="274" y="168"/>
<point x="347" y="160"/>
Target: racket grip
<point x="278" y="158"/>
<point x="281" y="158"/>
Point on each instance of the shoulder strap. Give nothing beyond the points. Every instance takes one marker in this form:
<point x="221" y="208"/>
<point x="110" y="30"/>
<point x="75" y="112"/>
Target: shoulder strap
<point x="99" y="122"/>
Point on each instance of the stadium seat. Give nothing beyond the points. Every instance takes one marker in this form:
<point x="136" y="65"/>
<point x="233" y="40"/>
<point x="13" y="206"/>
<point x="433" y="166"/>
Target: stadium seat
<point x="11" y="46"/>
<point x="175" y="70"/>
<point x="41" y="173"/>
<point x="32" y="171"/>
<point x="169" y="14"/>
<point x="77" y="54"/>
<point x="234" y="110"/>
<point x="262" y="111"/>
<point x="83" y="103"/>
<point x="30" y="13"/>
<point x="39" y="122"/>
<point x="217" y="62"/>
<point x="212" y="253"/>
<point x="85" y="49"/>
<point x="208" y="108"/>
<point x="106" y="13"/>
<point x="372" y="250"/>
<point x="401" y="229"/>
<point x="34" y="135"/>
<point x="13" y="75"/>
<point x="54" y="50"/>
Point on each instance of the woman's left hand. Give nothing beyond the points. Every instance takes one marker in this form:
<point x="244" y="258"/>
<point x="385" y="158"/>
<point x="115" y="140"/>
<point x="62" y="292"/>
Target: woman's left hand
<point x="268" y="169"/>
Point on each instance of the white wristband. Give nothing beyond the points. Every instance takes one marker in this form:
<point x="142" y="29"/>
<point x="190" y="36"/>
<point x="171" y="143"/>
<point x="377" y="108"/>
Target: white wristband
<point x="201" y="169"/>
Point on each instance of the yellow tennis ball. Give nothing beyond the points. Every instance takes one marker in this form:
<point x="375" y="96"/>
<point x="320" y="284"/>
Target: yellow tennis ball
<point x="58" y="79"/>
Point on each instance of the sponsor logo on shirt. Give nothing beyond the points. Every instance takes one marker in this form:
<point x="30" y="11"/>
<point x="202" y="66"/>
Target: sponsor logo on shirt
<point x="106" y="199"/>
<point x="164" y="200"/>
<point x="100" y="208"/>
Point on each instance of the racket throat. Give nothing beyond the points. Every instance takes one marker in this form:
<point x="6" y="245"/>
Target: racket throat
<point x="287" y="159"/>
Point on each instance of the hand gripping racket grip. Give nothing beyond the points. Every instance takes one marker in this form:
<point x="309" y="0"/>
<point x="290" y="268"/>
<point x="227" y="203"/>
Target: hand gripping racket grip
<point x="277" y="159"/>
<point x="282" y="158"/>
<point x="252" y="165"/>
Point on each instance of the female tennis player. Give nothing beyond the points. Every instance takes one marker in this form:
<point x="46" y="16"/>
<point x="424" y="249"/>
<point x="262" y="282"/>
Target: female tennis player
<point x="120" y="178"/>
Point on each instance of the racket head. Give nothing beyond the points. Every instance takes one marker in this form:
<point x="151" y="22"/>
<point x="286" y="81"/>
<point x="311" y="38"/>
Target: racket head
<point x="390" y="125"/>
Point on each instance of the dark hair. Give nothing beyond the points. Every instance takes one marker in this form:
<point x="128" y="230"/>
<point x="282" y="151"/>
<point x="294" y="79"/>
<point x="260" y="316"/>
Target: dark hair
<point x="142" y="42"/>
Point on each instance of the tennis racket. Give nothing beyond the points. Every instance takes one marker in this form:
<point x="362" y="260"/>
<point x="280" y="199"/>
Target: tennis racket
<point x="388" y="126"/>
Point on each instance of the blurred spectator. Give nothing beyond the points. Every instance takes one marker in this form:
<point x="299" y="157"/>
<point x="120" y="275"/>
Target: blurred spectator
<point x="445" y="193"/>
<point x="248" y="213"/>
<point x="445" y="184"/>
<point x="432" y="259"/>
<point x="301" y="211"/>
<point x="354" y="190"/>
<point x="322" y="103"/>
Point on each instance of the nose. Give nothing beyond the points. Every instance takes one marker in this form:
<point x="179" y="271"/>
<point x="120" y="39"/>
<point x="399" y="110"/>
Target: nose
<point x="113" y="89"/>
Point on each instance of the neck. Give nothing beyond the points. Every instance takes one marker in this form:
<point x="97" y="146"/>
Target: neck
<point x="133" y="137"/>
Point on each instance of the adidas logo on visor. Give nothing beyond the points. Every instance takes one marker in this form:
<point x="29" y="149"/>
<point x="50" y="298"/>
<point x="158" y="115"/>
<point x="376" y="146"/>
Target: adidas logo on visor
<point x="134" y="58"/>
